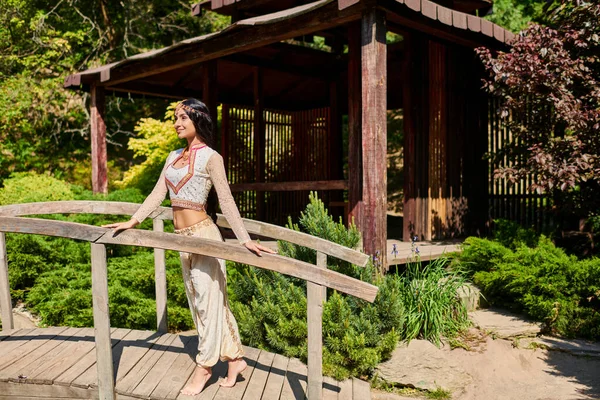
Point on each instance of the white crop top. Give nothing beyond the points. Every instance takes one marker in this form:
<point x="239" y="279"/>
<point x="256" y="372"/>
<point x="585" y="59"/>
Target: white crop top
<point x="190" y="185"/>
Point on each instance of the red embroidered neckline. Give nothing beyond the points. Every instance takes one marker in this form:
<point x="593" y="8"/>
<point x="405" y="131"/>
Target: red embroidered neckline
<point x="190" y="173"/>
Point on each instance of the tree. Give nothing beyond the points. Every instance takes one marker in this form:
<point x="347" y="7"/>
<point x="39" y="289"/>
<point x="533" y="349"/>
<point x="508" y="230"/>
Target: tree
<point x="549" y="87"/>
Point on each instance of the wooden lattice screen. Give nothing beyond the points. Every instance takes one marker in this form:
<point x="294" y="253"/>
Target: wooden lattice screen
<point x="512" y="201"/>
<point x="296" y="149"/>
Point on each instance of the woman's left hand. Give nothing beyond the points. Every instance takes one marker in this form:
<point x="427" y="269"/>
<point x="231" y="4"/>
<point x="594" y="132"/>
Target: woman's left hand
<point x="257" y="248"/>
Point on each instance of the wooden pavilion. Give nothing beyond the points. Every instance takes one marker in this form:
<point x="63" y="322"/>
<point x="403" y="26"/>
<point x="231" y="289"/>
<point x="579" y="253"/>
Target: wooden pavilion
<point x="283" y="104"/>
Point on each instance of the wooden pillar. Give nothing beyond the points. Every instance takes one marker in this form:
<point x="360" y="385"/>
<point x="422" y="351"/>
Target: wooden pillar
<point x="374" y="138"/>
<point x="334" y="149"/>
<point x="225" y="135"/>
<point x="210" y="90"/>
<point x="259" y="140"/>
<point x="314" y="300"/>
<point x="416" y="138"/>
<point x="5" y="300"/>
<point x="104" y="359"/>
<point x="160" y="282"/>
<point x="355" y="173"/>
<point x="98" y="140"/>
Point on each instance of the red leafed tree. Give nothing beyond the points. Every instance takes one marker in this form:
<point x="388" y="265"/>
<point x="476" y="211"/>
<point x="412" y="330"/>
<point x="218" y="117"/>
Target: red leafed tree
<point x="549" y="84"/>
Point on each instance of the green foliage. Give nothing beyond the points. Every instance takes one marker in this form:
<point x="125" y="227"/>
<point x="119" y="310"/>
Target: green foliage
<point x="515" y="15"/>
<point x="542" y="281"/>
<point x="155" y="139"/>
<point x="62" y="296"/>
<point x="31" y="187"/>
<point x="432" y="308"/>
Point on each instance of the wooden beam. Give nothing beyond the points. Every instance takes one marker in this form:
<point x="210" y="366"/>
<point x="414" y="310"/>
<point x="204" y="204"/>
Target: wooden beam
<point x="374" y="140"/>
<point x="236" y="40"/>
<point x="98" y="141"/>
<point x="5" y="299"/>
<point x="104" y="359"/>
<point x="290" y="186"/>
<point x="259" y="140"/>
<point x="355" y="173"/>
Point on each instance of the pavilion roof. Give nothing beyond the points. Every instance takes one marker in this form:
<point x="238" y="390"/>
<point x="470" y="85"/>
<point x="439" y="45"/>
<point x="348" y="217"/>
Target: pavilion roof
<point x="294" y="74"/>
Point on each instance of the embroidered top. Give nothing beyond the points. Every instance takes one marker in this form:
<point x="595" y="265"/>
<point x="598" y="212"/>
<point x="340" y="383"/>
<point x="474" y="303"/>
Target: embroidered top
<point x="189" y="186"/>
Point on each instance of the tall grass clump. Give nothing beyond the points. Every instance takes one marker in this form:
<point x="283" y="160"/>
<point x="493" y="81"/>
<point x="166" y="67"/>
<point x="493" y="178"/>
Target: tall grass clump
<point x="433" y="309"/>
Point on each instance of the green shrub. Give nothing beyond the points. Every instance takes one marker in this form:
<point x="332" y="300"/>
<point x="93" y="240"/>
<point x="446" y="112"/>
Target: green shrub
<point x="63" y="296"/>
<point x="432" y="307"/>
<point x="542" y="281"/>
<point x="26" y="187"/>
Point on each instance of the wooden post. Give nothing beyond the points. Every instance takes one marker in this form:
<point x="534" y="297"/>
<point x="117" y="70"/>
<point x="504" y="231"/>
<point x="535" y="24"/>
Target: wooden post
<point x="160" y="282"/>
<point x="355" y="172"/>
<point x="374" y="139"/>
<point x="315" y="298"/>
<point x="5" y="300"/>
<point x="209" y="90"/>
<point x="259" y="140"/>
<point x="104" y="359"/>
<point x="98" y="140"/>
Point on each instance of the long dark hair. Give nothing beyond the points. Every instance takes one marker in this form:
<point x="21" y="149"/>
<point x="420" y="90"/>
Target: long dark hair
<point x="205" y="130"/>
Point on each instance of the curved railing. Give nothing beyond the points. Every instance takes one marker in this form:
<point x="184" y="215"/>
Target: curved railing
<point x="317" y="276"/>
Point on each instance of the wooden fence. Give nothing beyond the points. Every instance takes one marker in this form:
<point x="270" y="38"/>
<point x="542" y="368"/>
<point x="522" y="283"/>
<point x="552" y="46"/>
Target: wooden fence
<point x="271" y="176"/>
<point x="508" y="200"/>
<point x="317" y="276"/>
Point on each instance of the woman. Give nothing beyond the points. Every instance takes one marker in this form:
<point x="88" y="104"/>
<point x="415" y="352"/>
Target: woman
<point x="188" y="176"/>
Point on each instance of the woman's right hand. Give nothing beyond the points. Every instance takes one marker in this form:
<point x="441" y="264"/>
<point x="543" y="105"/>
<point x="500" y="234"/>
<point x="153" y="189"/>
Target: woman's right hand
<point x="121" y="226"/>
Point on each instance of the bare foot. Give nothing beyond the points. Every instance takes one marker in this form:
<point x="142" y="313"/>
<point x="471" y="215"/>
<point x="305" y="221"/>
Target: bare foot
<point x="201" y="376"/>
<point x="235" y="368"/>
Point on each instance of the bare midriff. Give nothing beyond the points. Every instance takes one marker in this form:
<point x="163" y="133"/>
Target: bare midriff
<point x="184" y="217"/>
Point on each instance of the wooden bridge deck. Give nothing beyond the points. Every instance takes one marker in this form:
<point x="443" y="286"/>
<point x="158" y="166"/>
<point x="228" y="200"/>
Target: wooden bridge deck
<point x="60" y="363"/>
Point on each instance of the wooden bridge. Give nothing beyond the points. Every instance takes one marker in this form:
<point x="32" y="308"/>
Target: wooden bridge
<point x="109" y="363"/>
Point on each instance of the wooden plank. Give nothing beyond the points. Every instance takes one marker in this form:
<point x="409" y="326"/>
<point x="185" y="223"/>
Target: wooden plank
<point x="487" y="28"/>
<point x="104" y="360"/>
<point x="315" y="334"/>
<point x="276" y="378"/>
<point x="84" y="371"/>
<point x="474" y="23"/>
<point x="413" y="4"/>
<point x="361" y="390"/>
<point x="31" y="391"/>
<point x="238" y="253"/>
<point x="160" y="369"/>
<point x="179" y="372"/>
<point x="345" y="390"/>
<point x="24" y="342"/>
<point x="346" y="3"/>
<point x="212" y="387"/>
<point x="294" y="385"/>
<point x="29" y="365"/>
<point x="331" y="388"/>
<point x="374" y="139"/>
<point x="355" y="171"/>
<point x="251" y="355"/>
<point x="127" y="383"/>
<point x="98" y="140"/>
<point x="499" y="32"/>
<point x="290" y="186"/>
<point x="444" y="15"/>
<point x="459" y="19"/>
<point x="80" y="345"/>
<point x="429" y="9"/>
<point x="160" y="282"/>
<point x="257" y="384"/>
<point x="5" y="299"/>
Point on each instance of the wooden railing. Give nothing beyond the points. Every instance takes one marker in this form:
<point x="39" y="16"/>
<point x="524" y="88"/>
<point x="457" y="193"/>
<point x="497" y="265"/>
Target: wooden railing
<point x="317" y="276"/>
